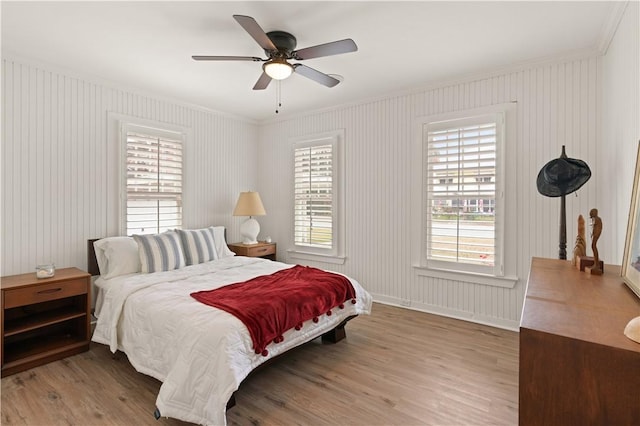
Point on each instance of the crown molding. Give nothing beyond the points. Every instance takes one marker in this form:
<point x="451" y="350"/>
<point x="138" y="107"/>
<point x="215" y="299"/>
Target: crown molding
<point x="515" y="67"/>
<point x="8" y="55"/>
<point x="610" y="26"/>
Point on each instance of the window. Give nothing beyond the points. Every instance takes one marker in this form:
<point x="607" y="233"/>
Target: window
<point x="153" y="180"/>
<point x="314" y="196"/>
<point x="317" y="204"/>
<point x="463" y="190"/>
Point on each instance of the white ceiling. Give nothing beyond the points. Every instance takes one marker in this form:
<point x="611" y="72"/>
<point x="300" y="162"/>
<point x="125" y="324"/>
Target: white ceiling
<point x="147" y="46"/>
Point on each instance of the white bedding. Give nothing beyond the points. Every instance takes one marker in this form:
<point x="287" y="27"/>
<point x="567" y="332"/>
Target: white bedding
<point x="200" y="353"/>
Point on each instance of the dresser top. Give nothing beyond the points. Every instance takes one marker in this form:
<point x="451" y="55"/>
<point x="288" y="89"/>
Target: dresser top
<point x="562" y="300"/>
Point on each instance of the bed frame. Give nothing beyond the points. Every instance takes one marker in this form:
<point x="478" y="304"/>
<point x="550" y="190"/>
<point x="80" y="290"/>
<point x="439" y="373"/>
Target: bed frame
<point x="332" y="336"/>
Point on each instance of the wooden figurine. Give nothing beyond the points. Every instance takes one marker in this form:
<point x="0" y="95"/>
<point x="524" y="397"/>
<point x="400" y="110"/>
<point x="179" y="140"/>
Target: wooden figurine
<point x="596" y="230"/>
<point x="580" y="248"/>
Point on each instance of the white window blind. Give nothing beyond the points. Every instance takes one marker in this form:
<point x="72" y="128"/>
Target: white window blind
<point x="461" y="191"/>
<point x="153" y="182"/>
<point x="314" y="201"/>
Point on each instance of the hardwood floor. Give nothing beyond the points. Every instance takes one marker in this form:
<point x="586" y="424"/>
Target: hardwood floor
<point x="396" y="367"/>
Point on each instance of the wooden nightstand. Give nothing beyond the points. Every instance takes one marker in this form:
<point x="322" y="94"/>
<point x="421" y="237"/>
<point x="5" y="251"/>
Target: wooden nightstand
<point x="264" y="250"/>
<point x="44" y="319"/>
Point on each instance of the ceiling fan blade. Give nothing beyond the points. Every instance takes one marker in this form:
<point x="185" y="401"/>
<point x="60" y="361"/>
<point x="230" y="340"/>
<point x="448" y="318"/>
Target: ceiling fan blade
<point x="251" y="26"/>
<point x="227" y="58"/>
<point x="315" y="75"/>
<point x="262" y="82"/>
<point x="334" y="48"/>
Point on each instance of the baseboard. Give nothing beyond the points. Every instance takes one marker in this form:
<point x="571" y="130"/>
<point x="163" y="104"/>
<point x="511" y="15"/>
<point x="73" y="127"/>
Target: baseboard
<point x="448" y="312"/>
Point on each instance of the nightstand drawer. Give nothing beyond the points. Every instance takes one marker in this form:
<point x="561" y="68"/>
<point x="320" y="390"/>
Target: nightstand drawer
<point x="261" y="250"/>
<point x="43" y="293"/>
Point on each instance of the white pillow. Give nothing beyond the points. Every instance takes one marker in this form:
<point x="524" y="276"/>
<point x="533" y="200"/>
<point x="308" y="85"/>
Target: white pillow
<point x="160" y="252"/>
<point x="198" y="245"/>
<point x="117" y="256"/>
<point x="221" y="244"/>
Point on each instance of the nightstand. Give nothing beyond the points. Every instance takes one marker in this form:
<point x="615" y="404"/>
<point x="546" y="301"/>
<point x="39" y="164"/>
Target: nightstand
<point x="264" y="250"/>
<point x="44" y="319"/>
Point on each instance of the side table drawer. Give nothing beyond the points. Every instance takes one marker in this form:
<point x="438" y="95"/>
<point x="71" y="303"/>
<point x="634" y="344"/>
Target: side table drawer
<point x="45" y="292"/>
<point x="259" y="251"/>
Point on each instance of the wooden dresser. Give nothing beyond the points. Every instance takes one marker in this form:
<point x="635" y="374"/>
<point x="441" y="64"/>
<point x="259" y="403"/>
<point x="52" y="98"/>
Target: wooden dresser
<point x="576" y="365"/>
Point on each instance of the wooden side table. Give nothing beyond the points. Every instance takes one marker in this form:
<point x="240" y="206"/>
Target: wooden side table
<point x="264" y="250"/>
<point x="44" y="319"/>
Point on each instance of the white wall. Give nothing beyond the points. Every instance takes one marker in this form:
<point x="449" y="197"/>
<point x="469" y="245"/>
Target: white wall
<point x="59" y="171"/>
<point x="557" y="104"/>
<point x="621" y="131"/>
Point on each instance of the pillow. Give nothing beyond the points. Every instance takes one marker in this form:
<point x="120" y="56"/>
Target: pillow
<point x="117" y="256"/>
<point x="160" y="252"/>
<point x="221" y="244"/>
<point x="198" y="245"/>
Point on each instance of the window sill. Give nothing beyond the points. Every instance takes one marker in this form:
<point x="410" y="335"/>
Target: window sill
<point x="504" y="282"/>
<point x="336" y="260"/>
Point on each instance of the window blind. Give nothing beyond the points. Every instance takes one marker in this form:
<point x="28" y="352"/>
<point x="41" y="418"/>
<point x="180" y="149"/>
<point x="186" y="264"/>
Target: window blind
<point x="461" y="191"/>
<point x="153" y="183"/>
<point x="313" y="192"/>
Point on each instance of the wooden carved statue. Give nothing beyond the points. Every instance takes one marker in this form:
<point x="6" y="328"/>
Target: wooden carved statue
<point x="596" y="230"/>
<point x="580" y="248"/>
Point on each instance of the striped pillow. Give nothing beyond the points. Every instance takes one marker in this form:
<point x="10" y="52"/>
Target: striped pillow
<point x="199" y="245"/>
<point x="160" y="252"/>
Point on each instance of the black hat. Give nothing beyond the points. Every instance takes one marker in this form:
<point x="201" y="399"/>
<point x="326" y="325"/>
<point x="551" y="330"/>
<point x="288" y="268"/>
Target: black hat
<point x="562" y="176"/>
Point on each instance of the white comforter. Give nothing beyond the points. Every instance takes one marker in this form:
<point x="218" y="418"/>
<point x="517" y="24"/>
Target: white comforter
<point x="200" y="353"/>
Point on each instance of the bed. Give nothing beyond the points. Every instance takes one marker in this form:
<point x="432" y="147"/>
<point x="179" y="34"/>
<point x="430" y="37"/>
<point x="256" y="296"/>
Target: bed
<point x="200" y="353"/>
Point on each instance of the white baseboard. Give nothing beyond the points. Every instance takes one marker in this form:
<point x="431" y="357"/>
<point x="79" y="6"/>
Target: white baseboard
<point x="447" y="312"/>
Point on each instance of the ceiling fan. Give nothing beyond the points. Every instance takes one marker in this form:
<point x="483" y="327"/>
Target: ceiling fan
<point x="279" y="47"/>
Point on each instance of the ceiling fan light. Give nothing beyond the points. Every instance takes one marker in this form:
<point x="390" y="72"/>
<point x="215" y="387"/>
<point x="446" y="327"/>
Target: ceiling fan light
<point x="278" y="69"/>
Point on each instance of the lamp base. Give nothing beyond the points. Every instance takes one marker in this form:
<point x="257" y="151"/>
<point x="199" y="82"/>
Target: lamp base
<point x="249" y="231"/>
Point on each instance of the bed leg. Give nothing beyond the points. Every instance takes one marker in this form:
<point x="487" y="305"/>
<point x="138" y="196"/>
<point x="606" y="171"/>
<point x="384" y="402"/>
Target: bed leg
<point x="232" y="401"/>
<point x="156" y="414"/>
<point x="334" y="336"/>
<point x="337" y="334"/>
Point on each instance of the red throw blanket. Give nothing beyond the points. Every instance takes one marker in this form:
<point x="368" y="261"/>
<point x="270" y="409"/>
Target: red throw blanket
<point x="269" y="305"/>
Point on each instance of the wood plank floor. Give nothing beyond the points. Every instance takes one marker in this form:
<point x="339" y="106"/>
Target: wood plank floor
<point x="396" y="367"/>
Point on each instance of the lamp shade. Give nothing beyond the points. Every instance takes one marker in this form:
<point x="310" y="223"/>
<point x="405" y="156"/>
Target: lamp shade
<point x="249" y="204"/>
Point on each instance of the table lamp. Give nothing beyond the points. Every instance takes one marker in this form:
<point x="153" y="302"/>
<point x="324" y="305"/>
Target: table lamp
<point x="249" y="204"/>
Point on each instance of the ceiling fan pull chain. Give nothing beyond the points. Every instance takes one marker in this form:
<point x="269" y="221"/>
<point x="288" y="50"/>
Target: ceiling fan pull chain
<point x="278" y="96"/>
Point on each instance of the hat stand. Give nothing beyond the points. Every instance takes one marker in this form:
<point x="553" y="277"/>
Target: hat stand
<point x="562" y="253"/>
<point x="558" y="178"/>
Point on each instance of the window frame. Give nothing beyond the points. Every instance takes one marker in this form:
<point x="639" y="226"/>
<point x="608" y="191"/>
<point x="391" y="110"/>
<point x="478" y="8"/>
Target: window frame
<point x="503" y="273"/>
<point x="336" y="253"/>
<point x="153" y="129"/>
<point x="455" y="124"/>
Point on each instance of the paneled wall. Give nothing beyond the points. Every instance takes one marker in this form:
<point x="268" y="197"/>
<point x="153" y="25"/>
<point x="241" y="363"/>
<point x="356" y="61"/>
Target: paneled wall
<point x="621" y="130"/>
<point x="557" y="104"/>
<point x="60" y="171"/>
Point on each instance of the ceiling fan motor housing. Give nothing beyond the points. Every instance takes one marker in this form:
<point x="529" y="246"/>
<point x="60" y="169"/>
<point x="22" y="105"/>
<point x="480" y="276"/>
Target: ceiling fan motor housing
<point x="284" y="41"/>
